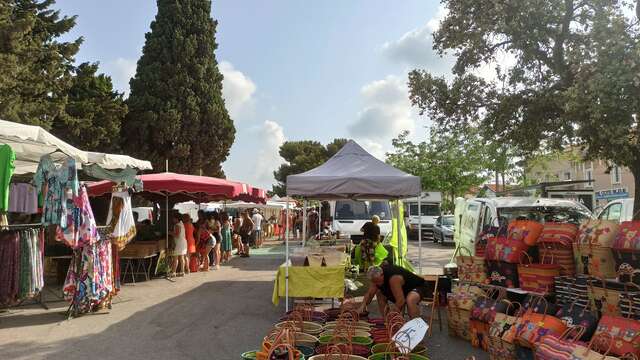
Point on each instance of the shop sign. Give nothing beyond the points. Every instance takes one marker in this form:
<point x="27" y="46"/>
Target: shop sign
<point x="411" y="334"/>
<point x="618" y="193"/>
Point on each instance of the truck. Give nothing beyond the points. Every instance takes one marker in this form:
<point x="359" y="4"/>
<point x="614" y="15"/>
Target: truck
<point x="430" y="203"/>
<point x="348" y="216"/>
<point x="474" y="216"/>
<point x="617" y="210"/>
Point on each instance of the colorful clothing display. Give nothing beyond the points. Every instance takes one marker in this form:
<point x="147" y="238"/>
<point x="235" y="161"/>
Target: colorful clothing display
<point x="22" y="270"/>
<point x="121" y="226"/>
<point x="23" y="198"/>
<point x="90" y="276"/>
<point x="7" y="167"/>
<point x="81" y="229"/>
<point x="59" y="186"/>
<point x="226" y="237"/>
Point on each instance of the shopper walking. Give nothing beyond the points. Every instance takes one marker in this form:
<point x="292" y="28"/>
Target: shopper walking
<point x="226" y="245"/>
<point x="178" y="247"/>
<point x="189" y="231"/>
<point x="206" y="240"/>
<point x="257" y="227"/>
<point x="215" y="227"/>
<point x="246" y="233"/>
<point x="237" y="238"/>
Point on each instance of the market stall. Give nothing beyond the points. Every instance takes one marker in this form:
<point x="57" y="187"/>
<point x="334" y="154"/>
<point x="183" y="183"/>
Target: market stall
<point x="352" y="173"/>
<point x="47" y="217"/>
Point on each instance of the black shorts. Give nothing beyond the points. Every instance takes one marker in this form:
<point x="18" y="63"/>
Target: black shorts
<point x="247" y="239"/>
<point x="425" y="291"/>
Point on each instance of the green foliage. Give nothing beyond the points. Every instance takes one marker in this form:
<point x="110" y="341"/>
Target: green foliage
<point x="301" y="156"/>
<point x="176" y="109"/>
<point x="451" y="164"/>
<point x="35" y="67"/>
<point x="574" y="79"/>
<point x="93" y="113"/>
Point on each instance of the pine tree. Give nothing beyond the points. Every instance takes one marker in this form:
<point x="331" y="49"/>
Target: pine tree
<point x="176" y="109"/>
<point x="93" y="113"/>
<point x="35" y="67"/>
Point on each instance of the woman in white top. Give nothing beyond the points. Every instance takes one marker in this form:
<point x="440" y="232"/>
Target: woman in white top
<point x="179" y="249"/>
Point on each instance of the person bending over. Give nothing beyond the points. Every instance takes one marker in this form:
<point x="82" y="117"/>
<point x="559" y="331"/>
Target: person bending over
<point x="399" y="286"/>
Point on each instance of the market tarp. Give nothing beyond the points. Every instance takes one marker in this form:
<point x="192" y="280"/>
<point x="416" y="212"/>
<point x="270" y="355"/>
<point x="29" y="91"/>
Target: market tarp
<point x="353" y="173"/>
<point x="31" y="142"/>
<point x="310" y="281"/>
<point x="193" y="187"/>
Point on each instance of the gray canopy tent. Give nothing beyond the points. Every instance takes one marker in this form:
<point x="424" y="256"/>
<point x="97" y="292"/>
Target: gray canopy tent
<point x="352" y="173"/>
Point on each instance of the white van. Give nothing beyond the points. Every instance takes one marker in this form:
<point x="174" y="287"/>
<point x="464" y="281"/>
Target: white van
<point x="429" y="212"/>
<point x="473" y="216"/>
<point x="350" y="215"/>
<point x="618" y="210"/>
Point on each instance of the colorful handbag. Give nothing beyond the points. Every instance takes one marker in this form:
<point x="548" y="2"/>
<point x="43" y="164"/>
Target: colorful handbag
<point x="628" y="237"/>
<point x="479" y="332"/>
<point x="572" y="288"/>
<point x="597" y="349"/>
<point x="503" y="274"/>
<point x="526" y="231"/>
<point x="559" y="347"/>
<point x="507" y="249"/>
<point x="627" y="265"/>
<point x="458" y="322"/>
<point x="595" y="261"/>
<point x="624" y="331"/>
<point x="487" y="306"/>
<point x="630" y="305"/>
<point x="531" y="327"/>
<point x="463" y="297"/>
<point x="558" y="233"/>
<point x="500" y="343"/>
<point x="606" y="295"/>
<point x="576" y="315"/>
<point x="471" y="268"/>
<point x="537" y="278"/>
<point x="597" y="233"/>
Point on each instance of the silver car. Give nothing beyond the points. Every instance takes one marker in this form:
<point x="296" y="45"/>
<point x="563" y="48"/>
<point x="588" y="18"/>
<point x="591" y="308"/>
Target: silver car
<point x="443" y="229"/>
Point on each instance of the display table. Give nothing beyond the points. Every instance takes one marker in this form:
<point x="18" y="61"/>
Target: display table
<point x="310" y="281"/>
<point x="137" y="265"/>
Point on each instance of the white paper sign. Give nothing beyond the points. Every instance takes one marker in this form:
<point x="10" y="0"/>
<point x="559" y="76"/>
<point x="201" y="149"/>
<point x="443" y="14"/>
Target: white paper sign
<point x="411" y="334"/>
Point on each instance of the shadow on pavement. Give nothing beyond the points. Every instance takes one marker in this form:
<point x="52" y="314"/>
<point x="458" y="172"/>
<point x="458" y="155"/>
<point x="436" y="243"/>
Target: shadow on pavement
<point x="217" y="320"/>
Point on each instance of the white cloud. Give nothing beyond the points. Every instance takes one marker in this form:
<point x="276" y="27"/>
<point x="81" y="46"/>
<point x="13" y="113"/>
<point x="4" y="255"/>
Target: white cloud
<point x="121" y="71"/>
<point x="271" y="137"/>
<point x="386" y="111"/>
<point x="237" y="89"/>
<point x="415" y="48"/>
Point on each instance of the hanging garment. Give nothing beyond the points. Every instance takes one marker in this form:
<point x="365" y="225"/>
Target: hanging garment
<point x="23" y="198"/>
<point x="9" y="271"/>
<point x="81" y="229"/>
<point x="126" y="176"/>
<point x="21" y="273"/>
<point x="59" y="187"/>
<point x="7" y="167"/>
<point x="120" y="223"/>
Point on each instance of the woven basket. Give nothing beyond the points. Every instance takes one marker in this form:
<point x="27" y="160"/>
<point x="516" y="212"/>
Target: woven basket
<point x="458" y="322"/>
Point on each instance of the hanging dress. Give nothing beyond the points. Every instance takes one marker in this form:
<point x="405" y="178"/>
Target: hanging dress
<point x="121" y="225"/>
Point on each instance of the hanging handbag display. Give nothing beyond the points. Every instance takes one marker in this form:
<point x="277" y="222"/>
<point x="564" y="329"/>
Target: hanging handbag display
<point x="471" y="268"/>
<point x="525" y="231"/>
<point x="625" y="332"/>
<point x="531" y="326"/>
<point x="597" y="233"/>
<point x="576" y="315"/>
<point x="537" y="278"/>
<point x="505" y="248"/>
<point x="559" y="347"/>
<point x="502" y="273"/>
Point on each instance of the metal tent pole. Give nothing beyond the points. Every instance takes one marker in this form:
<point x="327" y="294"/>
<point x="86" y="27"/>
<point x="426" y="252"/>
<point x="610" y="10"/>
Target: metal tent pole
<point x="420" y="233"/>
<point x="304" y="222"/>
<point x="286" y="264"/>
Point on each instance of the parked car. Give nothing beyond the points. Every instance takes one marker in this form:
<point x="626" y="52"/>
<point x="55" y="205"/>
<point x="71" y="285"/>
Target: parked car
<point x="618" y="210"/>
<point x="443" y="229"/>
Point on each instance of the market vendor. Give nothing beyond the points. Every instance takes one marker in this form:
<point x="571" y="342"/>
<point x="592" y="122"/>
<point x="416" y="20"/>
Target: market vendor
<point x="369" y="243"/>
<point x="399" y="286"/>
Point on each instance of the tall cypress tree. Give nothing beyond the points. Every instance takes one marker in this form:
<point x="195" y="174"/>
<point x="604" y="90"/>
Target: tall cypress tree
<point x="176" y="109"/>
<point x="35" y="67"/>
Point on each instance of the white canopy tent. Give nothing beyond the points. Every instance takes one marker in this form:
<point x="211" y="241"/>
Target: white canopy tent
<point x="31" y="142"/>
<point x="352" y="173"/>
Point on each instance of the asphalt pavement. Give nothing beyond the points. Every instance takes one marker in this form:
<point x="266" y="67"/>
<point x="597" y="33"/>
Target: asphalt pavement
<point x="213" y="315"/>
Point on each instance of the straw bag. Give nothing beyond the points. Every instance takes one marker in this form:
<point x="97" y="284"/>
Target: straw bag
<point x="458" y="322"/>
<point x="505" y="248"/>
<point x="571" y="289"/>
<point x="471" y="268"/>
<point x="538" y="278"/>
<point x="500" y="343"/>
<point x="559" y="347"/>
<point x="625" y="332"/>
<point x="630" y="305"/>
<point x="628" y="237"/>
<point x="526" y="231"/>
<point x="597" y="233"/>
<point x="606" y="295"/>
<point x="487" y="306"/>
<point x="463" y="296"/>
<point x="556" y="240"/>
<point x="576" y="315"/>
<point x="626" y="252"/>
<point x="531" y="327"/>
<point x="596" y="261"/>
<point x="500" y="273"/>
<point x="590" y="352"/>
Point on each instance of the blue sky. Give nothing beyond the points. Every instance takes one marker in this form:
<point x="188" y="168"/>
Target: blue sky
<point x="293" y="69"/>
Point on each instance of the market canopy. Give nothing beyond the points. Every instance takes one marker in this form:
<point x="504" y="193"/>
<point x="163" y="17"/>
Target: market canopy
<point x="356" y="174"/>
<point x="31" y="142"/>
<point x="185" y="187"/>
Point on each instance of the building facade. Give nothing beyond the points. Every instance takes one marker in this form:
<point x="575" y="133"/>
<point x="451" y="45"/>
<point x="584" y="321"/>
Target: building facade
<point x="610" y="181"/>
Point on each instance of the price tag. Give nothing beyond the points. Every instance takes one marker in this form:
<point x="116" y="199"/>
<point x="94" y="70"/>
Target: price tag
<point x="411" y="334"/>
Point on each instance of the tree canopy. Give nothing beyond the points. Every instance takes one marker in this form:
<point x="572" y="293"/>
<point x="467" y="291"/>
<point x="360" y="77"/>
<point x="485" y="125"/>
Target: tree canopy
<point x="572" y="78"/>
<point x="301" y="156"/>
<point x="176" y="109"/>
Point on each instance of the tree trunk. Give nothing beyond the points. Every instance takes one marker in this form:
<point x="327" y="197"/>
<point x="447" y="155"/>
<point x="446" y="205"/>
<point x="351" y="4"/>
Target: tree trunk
<point x="497" y="181"/>
<point x="636" y="199"/>
<point x="504" y="185"/>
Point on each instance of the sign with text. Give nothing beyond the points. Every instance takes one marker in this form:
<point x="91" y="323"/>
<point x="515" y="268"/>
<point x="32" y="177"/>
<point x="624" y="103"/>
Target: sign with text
<point x="410" y="335"/>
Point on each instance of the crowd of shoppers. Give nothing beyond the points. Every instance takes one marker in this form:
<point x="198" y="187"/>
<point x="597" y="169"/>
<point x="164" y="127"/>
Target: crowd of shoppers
<point x="209" y="242"/>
